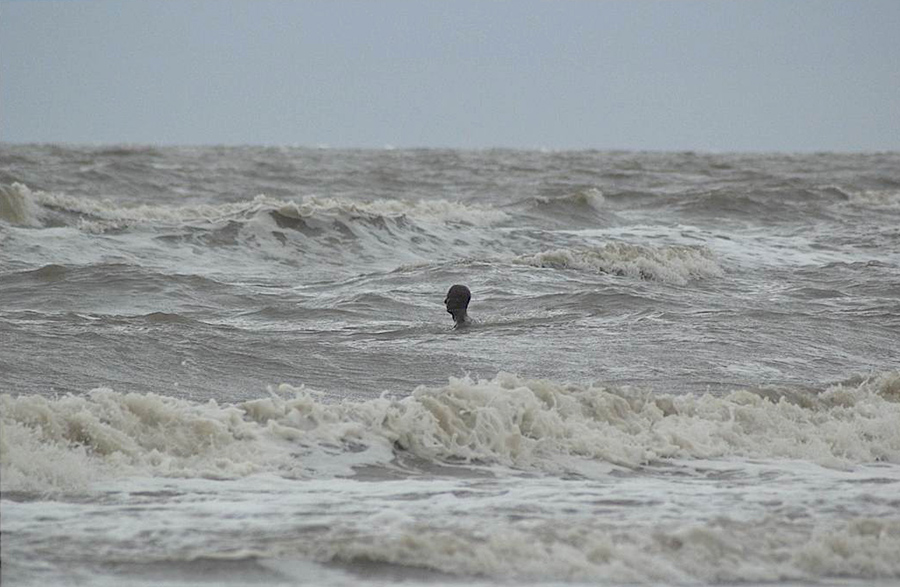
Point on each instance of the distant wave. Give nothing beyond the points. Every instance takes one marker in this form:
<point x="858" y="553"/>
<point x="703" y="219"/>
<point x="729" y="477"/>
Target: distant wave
<point x="586" y="207"/>
<point x="64" y="443"/>
<point x="881" y="199"/>
<point x="672" y="264"/>
<point x="586" y="198"/>
<point x="785" y="203"/>
<point x="337" y="232"/>
<point x="20" y="205"/>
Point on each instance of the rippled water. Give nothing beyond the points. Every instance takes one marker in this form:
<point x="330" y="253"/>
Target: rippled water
<point x="235" y="363"/>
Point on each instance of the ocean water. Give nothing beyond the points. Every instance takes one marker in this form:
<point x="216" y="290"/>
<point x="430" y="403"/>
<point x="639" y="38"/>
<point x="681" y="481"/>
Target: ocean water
<point x="233" y="365"/>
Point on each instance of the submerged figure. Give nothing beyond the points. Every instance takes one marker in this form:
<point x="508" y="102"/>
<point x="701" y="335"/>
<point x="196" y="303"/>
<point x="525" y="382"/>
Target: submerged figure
<point x="457" y="301"/>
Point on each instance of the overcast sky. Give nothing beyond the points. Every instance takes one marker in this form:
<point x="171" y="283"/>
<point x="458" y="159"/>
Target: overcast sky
<point x="608" y="74"/>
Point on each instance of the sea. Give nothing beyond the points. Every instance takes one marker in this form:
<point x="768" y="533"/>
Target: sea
<point x="233" y="366"/>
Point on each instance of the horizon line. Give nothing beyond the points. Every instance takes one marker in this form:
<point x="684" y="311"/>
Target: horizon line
<point x="390" y="147"/>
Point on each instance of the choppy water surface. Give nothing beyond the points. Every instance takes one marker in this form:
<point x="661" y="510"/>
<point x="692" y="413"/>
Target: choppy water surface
<point x="233" y="364"/>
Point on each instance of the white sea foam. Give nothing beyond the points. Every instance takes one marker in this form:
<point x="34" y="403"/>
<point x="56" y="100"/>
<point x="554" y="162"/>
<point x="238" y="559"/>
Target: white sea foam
<point x="654" y="527"/>
<point x="673" y="264"/>
<point x="719" y="551"/>
<point x="529" y="424"/>
<point x="876" y="199"/>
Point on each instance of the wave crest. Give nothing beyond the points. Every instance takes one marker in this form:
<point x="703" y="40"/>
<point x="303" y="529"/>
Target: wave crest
<point x="876" y="199"/>
<point x="338" y="232"/>
<point x="17" y="197"/>
<point x="591" y="198"/>
<point x="60" y="444"/>
<point x="671" y="264"/>
<point x="18" y="206"/>
<point x="441" y="211"/>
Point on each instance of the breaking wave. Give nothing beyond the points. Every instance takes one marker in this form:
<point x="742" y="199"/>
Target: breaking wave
<point x="20" y="205"/>
<point x="65" y="443"/>
<point x="338" y="232"/>
<point x="885" y="200"/>
<point x="582" y="208"/>
<point x="671" y="264"/>
<point x="587" y="199"/>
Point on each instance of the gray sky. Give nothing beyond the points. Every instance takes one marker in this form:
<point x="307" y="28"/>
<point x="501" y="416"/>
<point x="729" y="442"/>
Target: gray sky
<point x="609" y="74"/>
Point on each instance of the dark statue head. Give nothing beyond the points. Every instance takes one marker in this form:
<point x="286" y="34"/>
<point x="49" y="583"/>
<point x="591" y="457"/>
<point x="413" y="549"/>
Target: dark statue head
<point x="457" y="301"/>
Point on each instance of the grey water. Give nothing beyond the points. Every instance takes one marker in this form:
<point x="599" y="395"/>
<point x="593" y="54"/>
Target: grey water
<point x="181" y="322"/>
